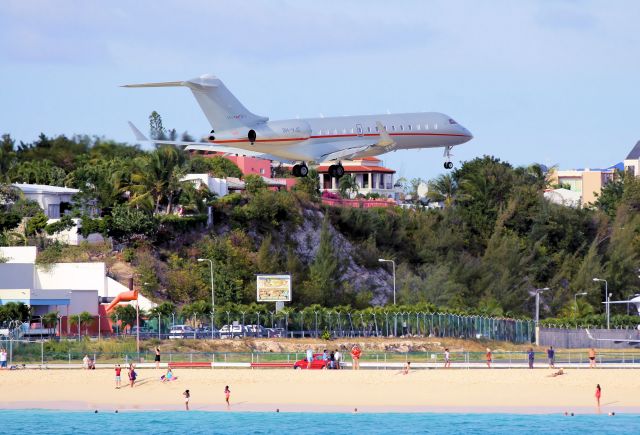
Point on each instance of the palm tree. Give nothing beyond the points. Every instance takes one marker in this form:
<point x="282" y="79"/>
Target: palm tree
<point x="156" y="178"/>
<point x="349" y="185"/>
<point x="83" y="318"/>
<point x="50" y="320"/>
<point x="443" y="188"/>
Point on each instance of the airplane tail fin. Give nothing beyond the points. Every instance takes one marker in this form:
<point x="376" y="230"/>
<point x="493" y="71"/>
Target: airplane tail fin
<point x="220" y="106"/>
<point x="589" y="335"/>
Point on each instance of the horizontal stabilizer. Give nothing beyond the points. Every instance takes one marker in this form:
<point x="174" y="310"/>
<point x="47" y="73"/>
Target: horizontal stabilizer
<point x="155" y="85"/>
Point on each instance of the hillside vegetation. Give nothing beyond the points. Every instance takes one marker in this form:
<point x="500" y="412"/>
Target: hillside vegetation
<point x="495" y="241"/>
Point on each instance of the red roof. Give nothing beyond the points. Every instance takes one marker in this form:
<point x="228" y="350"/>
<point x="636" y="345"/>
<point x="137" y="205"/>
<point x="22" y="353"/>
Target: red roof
<point x="358" y="168"/>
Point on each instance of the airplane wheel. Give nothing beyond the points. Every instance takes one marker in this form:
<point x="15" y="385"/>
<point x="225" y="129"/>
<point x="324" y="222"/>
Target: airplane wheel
<point x="296" y="170"/>
<point x="303" y="171"/>
<point x="448" y="165"/>
<point x="339" y="171"/>
<point x="332" y="171"/>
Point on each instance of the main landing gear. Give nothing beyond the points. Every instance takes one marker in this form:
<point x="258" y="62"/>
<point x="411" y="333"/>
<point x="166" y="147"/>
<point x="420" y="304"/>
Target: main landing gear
<point x="336" y="170"/>
<point x="447" y="155"/>
<point x="300" y="170"/>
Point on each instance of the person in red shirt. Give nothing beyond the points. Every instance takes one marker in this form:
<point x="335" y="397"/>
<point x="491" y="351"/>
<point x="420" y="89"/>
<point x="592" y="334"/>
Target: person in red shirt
<point x="598" y="394"/>
<point x="355" y="355"/>
<point x="118" y="371"/>
<point x="489" y="357"/>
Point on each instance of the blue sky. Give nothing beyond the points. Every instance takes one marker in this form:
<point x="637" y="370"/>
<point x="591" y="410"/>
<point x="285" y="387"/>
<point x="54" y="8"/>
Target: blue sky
<point x="555" y="82"/>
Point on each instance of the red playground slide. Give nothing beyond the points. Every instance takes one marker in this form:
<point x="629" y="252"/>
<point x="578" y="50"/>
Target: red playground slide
<point x="123" y="297"/>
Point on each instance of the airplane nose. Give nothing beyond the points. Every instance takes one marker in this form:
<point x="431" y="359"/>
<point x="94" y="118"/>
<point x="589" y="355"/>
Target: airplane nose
<point x="466" y="133"/>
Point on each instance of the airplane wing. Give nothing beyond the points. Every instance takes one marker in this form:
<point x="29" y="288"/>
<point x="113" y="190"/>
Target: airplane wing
<point x="363" y="147"/>
<point x="614" y="340"/>
<point x="199" y="146"/>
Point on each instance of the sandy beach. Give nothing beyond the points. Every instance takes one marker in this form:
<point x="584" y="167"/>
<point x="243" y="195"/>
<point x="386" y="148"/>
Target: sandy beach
<point x="455" y="390"/>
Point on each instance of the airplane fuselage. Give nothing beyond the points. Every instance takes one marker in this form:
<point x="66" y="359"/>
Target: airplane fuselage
<point x="300" y="139"/>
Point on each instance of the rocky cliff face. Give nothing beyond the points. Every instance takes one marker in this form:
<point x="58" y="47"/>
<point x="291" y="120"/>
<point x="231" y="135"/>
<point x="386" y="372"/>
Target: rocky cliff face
<point x="307" y="238"/>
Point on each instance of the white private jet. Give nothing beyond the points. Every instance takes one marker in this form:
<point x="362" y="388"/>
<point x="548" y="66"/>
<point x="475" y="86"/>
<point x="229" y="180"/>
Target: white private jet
<point x="235" y="130"/>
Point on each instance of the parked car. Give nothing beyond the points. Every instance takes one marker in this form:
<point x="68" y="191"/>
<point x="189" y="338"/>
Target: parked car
<point x="206" y="332"/>
<point x="255" y="331"/>
<point x="181" y="331"/>
<point x="318" y="363"/>
<point x="144" y="331"/>
<point x="233" y="331"/>
<point x="275" y="332"/>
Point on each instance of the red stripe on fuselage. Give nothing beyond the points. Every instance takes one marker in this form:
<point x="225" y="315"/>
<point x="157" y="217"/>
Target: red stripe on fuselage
<point x="289" y="139"/>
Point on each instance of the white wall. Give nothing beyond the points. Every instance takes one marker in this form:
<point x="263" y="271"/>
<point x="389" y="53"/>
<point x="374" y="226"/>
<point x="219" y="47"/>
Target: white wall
<point x="16" y="275"/>
<point x="83" y="300"/>
<point x="18" y="254"/>
<point x="72" y="236"/>
<point x="74" y="276"/>
<point x="215" y="185"/>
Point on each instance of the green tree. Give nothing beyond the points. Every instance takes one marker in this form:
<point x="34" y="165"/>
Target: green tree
<point x="84" y="318"/>
<point x="266" y="260"/>
<point x="216" y="166"/>
<point x="15" y="311"/>
<point x="156" y="129"/>
<point x="254" y="183"/>
<point x="128" y="222"/>
<point x="50" y="320"/>
<point x="63" y="224"/>
<point x="125" y="314"/>
<point x="309" y="185"/>
<point x="348" y="186"/>
<point x="7" y="157"/>
<point x="36" y="224"/>
<point x="324" y="284"/>
<point x="443" y="188"/>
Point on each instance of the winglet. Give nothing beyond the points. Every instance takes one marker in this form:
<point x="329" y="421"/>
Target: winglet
<point x="385" y="139"/>
<point x="137" y="133"/>
<point x="589" y="335"/>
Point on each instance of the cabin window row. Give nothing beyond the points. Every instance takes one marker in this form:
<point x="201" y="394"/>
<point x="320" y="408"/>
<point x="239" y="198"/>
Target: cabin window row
<point x="370" y="129"/>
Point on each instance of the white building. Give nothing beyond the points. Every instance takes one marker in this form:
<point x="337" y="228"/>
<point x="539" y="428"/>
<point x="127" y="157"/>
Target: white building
<point x="566" y="197"/>
<point x="632" y="162"/>
<point x="215" y="185"/>
<point x="69" y="288"/>
<point x="54" y="200"/>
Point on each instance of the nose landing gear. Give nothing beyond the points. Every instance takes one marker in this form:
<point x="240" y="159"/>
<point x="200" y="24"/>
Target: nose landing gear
<point x="447" y="155"/>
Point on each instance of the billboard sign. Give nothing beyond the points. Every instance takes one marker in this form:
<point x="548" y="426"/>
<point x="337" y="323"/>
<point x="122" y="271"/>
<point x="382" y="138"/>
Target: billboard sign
<point x="274" y="288"/>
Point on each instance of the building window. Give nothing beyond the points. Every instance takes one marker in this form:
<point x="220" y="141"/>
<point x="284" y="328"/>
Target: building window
<point x="53" y="211"/>
<point x="262" y="171"/>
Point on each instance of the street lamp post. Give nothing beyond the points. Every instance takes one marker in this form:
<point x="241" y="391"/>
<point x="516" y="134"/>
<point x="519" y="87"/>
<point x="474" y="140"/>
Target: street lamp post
<point x="606" y="296"/>
<point x="393" y="263"/>
<point x="213" y="298"/>
<point x="538" y="291"/>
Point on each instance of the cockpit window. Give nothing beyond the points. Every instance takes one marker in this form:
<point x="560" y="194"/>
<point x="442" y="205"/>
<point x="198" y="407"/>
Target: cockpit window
<point x="452" y="121"/>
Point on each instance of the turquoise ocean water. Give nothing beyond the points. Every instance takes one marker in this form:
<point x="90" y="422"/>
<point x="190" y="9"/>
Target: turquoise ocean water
<point x="200" y="422"/>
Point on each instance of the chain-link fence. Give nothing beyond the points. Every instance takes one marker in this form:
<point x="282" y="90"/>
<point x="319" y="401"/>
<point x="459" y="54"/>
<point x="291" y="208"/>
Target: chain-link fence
<point x="38" y="353"/>
<point x="309" y="323"/>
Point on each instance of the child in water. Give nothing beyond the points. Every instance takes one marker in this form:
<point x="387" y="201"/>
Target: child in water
<point x="227" y="394"/>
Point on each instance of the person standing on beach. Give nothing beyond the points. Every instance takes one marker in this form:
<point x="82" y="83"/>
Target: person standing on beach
<point x="227" y="395"/>
<point x="551" y="354"/>
<point x="592" y="358"/>
<point x="132" y="375"/>
<point x="355" y="356"/>
<point x="3" y="359"/>
<point x="489" y="357"/>
<point x="447" y="358"/>
<point x="157" y="359"/>
<point x="187" y="396"/>
<point x="118" y="379"/>
<point x="338" y="356"/>
<point x="598" y="394"/>
<point x="531" y="356"/>
<point x="309" y="357"/>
